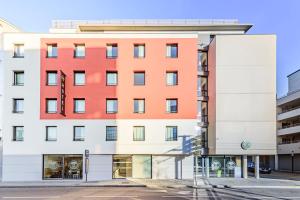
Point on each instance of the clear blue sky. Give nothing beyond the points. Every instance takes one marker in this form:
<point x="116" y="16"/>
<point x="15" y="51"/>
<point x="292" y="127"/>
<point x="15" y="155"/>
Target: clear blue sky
<point x="281" y="17"/>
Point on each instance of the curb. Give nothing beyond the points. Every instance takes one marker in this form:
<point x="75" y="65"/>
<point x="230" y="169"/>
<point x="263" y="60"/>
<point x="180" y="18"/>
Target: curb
<point x="55" y="186"/>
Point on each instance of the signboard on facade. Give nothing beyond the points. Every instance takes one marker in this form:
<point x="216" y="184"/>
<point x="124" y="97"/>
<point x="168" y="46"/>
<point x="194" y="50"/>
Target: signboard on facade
<point x="62" y="93"/>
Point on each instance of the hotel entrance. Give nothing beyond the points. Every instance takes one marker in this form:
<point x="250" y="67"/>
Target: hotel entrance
<point x="135" y="166"/>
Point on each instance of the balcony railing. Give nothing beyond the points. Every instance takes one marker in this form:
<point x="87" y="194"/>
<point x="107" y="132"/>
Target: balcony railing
<point x="289" y="125"/>
<point x="289" y="142"/>
<point x="202" y="69"/>
<point x="202" y="93"/>
<point x="288" y="109"/>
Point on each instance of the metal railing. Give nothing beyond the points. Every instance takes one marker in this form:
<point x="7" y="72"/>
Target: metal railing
<point x="289" y="125"/>
<point x="288" y="109"/>
<point x="202" y="68"/>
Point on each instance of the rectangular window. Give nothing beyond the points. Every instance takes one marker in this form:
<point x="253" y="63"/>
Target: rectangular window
<point x="171" y="105"/>
<point x="18" y="133"/>
<point x="51" y="133"/>
<point x="171" y="133"/>
<point x="139" y="78"/>
<point x="79" y="105"/>
<point x="51" y="50"/>
<point x="79" y="78"/>
<point x="51" y="78"/>
<point x="78" y="133"/>
<point x="172" y="78"/>
<point x="111" y="133"/>
<point x="51" y="106"/>
<point x="112" y="50"/>
<point x="18" y="78"/>
<point x="18" y="105"/>
<point x="79" y="51"/>
<point x="172" y="50"/>
<point x="111" y="105"/>
<point x="138" y="133"/>
<point x="139" y="105"/>
<point x="111" y="78"/>
<point x="139" y="50"/>
<point x="19" y="51"/>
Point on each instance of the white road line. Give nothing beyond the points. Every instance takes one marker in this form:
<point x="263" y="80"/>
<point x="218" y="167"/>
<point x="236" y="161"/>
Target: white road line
<point x="268" y="187"/>
<point x="109" y="196"/>
<point x="209" y="196"/>
<point x="31" y="197"/>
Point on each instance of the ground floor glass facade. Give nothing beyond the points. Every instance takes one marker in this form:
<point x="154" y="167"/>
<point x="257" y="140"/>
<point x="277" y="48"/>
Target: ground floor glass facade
<point x="62" y="167"/>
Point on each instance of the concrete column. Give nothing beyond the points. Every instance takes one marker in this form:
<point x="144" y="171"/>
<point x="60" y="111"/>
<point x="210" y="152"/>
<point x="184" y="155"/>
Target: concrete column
<point x="276" y="162"/>
<point x="245" y="167"/>
<point x="257" y="166"/>
<point x="207" y="167"/>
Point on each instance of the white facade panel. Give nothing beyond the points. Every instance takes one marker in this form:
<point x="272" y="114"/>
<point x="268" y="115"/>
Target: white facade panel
<point x="163" y="167"/>
<point x="22" y="167"/>
<point x="245" y="94"/>
<point x="100" y="167"/>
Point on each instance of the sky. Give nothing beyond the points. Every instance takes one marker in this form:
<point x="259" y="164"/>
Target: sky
<point x="280" y="17"/>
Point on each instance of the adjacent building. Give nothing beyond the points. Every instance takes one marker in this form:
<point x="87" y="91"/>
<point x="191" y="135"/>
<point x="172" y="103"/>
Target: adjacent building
<point x="288" y="133"/>
<point x="136" y="98"/>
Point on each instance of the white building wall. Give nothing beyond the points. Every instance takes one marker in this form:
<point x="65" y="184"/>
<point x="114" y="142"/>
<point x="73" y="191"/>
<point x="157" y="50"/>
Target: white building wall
<point x="246" y="94"/>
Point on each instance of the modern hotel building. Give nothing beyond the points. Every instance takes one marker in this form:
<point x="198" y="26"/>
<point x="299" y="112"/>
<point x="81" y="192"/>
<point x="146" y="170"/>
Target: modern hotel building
<point x="146" y="98"/>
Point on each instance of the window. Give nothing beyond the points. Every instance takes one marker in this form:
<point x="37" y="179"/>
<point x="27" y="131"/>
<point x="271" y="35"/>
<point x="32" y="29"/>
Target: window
<point x="51" y="78"/>
<point x="51" y="50"/>
<point x="78" y="133"/>
<point x="139" y="105"/>
<point x="111" y="78"/>
<point x="172" y="105"/>
<point x="111" y="105"/>
<point x="51" y="105"/>
<point x="18" y="105"/>
<point x="111" y="133"/>
<point x="139" y="50"/>
<point x="171" y="133"/>
<point x="79" y="78"/>
<point x="112" y="50"/>
<point x="79" y="105"/>
<point x="19" y="51"/>
<point x="18" y="133"/>
<point x="79" y="51"/>
<point x="172" y="50"/>
<point x="139" y="78"/>
<point x="19" y="78"/>
<point x="172" y="78"/>
<point x="138" y="133"/>
<point x="51" y="133"/>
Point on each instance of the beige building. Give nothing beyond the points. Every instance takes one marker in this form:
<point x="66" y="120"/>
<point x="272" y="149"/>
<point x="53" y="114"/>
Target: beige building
<point x="288" y="133"/>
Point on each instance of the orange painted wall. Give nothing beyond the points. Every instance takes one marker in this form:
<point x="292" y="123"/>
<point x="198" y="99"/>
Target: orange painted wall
<point x="95" y="64"/>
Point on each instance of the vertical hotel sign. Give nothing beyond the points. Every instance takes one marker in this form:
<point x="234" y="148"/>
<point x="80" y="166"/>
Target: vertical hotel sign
<point x="62" y="93"/>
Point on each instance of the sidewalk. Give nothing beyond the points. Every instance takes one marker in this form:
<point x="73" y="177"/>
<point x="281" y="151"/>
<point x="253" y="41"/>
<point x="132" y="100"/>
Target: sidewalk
<point x="67" y="183"/>
<point x="248" y="183"/>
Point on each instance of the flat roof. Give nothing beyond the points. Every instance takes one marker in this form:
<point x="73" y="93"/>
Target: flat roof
<point x="152" y="25"/>
<point x="293" y="73"/>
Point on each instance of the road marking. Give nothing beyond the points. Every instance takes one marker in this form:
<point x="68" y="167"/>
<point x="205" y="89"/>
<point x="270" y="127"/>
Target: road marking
<point x="32" y="197"/>
<point x="242" y="196"/>
<point x="109" y="196"/>
<point x="268" y="187"/>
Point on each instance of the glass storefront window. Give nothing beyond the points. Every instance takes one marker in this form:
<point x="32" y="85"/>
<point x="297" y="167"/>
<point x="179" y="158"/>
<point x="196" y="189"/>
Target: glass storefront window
<point x="63" y="166"/>
<point x="122" y="166"/>
<point x="136" y="166"/>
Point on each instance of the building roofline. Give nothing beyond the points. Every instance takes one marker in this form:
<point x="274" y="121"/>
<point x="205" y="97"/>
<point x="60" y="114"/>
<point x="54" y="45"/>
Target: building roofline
<point x="293" y="73"/>
<point x="9" y="24"/>
<point x="152" y="25"/>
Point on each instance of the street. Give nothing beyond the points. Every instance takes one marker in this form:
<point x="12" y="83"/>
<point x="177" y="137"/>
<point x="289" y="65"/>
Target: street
<point x="145" y="193"/>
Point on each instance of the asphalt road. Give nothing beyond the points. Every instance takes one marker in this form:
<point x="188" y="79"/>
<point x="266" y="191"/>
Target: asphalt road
<point x="90" y="193"/>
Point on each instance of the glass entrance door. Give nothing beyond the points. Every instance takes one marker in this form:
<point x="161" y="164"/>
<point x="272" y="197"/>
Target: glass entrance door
<point x="122" y="166"/>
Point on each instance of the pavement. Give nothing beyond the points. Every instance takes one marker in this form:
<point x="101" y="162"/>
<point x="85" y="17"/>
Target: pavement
<point x="274" y="180"/>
